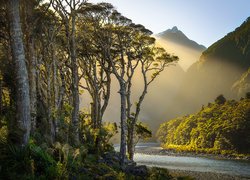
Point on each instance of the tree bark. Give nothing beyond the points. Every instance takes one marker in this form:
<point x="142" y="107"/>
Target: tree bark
<point x="55" y="93"/>
<point x="1" y="96"/>
<point x="75" y="88"/>
<point x="131" y="144"/>
<point x="21" y="76"/>
<point x="133" y="120"/>
<point x="129" y="117"/>
<point x="123" y="122"/>
<point x="49" y="104"/>
<point x="33" y="85"/>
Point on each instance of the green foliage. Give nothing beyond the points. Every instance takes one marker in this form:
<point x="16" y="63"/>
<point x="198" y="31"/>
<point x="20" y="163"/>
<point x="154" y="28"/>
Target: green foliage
<point x="222" y="127"/>
<point x="159" y="173"/>
<point x="142" y="131"/>
<point x="220" y="99"/>
<point x="3" y="133"/>
<point x="97" y="136"/>
<point x="61" y="161"/>
<point x="26" y="162"/>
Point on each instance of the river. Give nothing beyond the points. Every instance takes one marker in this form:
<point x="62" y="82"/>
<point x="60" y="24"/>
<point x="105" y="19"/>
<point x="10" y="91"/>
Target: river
<point x="199" y="164"/>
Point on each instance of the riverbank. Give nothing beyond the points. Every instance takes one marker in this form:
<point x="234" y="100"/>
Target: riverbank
<point x="205" y="175"/>
<point x="198" y="166"/>
<point x="171" y="152"/>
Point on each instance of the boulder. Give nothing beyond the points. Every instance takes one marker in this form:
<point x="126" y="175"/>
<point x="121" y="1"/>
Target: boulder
<point x="141" y="171"/>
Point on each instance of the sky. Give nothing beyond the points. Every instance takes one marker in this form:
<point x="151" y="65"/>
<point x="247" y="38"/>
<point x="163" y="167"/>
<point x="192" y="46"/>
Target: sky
<point x="204" y="21"/>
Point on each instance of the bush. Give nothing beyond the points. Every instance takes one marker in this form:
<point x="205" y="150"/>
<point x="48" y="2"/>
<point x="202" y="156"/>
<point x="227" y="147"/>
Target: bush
<point x="159" y="174"/>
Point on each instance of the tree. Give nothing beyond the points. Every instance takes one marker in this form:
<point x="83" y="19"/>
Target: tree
<point x="220" y="99"/>
<point x="125" y="47"/>
<point x="32" y="13"/>
<point x="48" y="68"/>
<point x="153" y="60"/>
<point x="95" y="69"/>
<point x="21" y="74"/>
<point x="142" y="132"/>
<point x="68" y="9"/>
<point x="110" y="30"/>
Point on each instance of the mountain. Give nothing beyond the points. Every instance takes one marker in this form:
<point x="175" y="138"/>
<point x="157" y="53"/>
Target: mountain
<point x="176" y="36"/>
<point x="217" y="70"/>
<point x="176" y="42"/>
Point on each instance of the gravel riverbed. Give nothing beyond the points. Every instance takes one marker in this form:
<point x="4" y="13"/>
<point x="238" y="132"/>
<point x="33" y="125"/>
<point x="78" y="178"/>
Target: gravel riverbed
<point x="206" y="175"/>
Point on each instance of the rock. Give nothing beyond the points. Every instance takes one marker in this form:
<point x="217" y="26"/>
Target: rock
<point x="111" y="156"/>
<point x="129" y="162"/>
<point x="141" y="171"/>
<point x="110" y="159"/>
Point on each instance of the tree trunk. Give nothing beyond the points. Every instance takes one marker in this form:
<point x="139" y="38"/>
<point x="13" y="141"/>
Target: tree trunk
<point x="131" y="144"/>
<point x="132" y="124"/>
<point x="123" y="122"/>
<point x="60" y="102"/>
<point x="1" y="96"/>
<point x="106" y="95"/>
<point x="129" y="120"/>
<point x="75" y="88"/>
<point x="49" y="104"/>
<point x="55" y="91"/>
<point x="22" y="82"/>
<point x="33" y="86"/>
<point x="55" y="74"/>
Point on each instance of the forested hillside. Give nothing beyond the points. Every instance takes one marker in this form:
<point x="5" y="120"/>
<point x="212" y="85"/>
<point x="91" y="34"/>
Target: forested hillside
<point x="221" y="127"/>
<point x="220" y="66"/>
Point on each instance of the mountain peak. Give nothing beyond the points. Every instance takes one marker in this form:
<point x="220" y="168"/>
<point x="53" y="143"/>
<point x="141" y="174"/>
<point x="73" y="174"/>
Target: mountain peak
<point x="175" y="29"/>
<point x="177" y="36"/>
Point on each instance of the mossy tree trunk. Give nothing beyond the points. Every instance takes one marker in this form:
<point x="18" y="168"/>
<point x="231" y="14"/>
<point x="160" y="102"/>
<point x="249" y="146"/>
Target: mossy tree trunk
<point x="23" y="121"/>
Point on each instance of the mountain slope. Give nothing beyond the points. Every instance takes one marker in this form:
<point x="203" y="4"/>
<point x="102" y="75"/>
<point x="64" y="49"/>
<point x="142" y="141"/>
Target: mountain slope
<point x="176" y="42"/>
<point x="242" y="86"/>
<point x="176" y="36"/>
<point x="218" y="68"/>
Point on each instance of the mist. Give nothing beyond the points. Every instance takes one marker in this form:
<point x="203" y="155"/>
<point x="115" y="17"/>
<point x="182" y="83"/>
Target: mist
<point x="197" y="79"/>
<point x="161" y="93"/>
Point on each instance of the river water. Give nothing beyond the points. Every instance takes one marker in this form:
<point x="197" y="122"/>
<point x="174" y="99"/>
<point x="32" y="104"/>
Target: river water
<point x="200" y="164"/>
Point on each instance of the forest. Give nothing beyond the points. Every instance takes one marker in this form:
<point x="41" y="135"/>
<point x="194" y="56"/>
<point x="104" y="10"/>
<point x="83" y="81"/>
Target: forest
<point x="221" y="127"/>
<point x="52" y="52"/>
